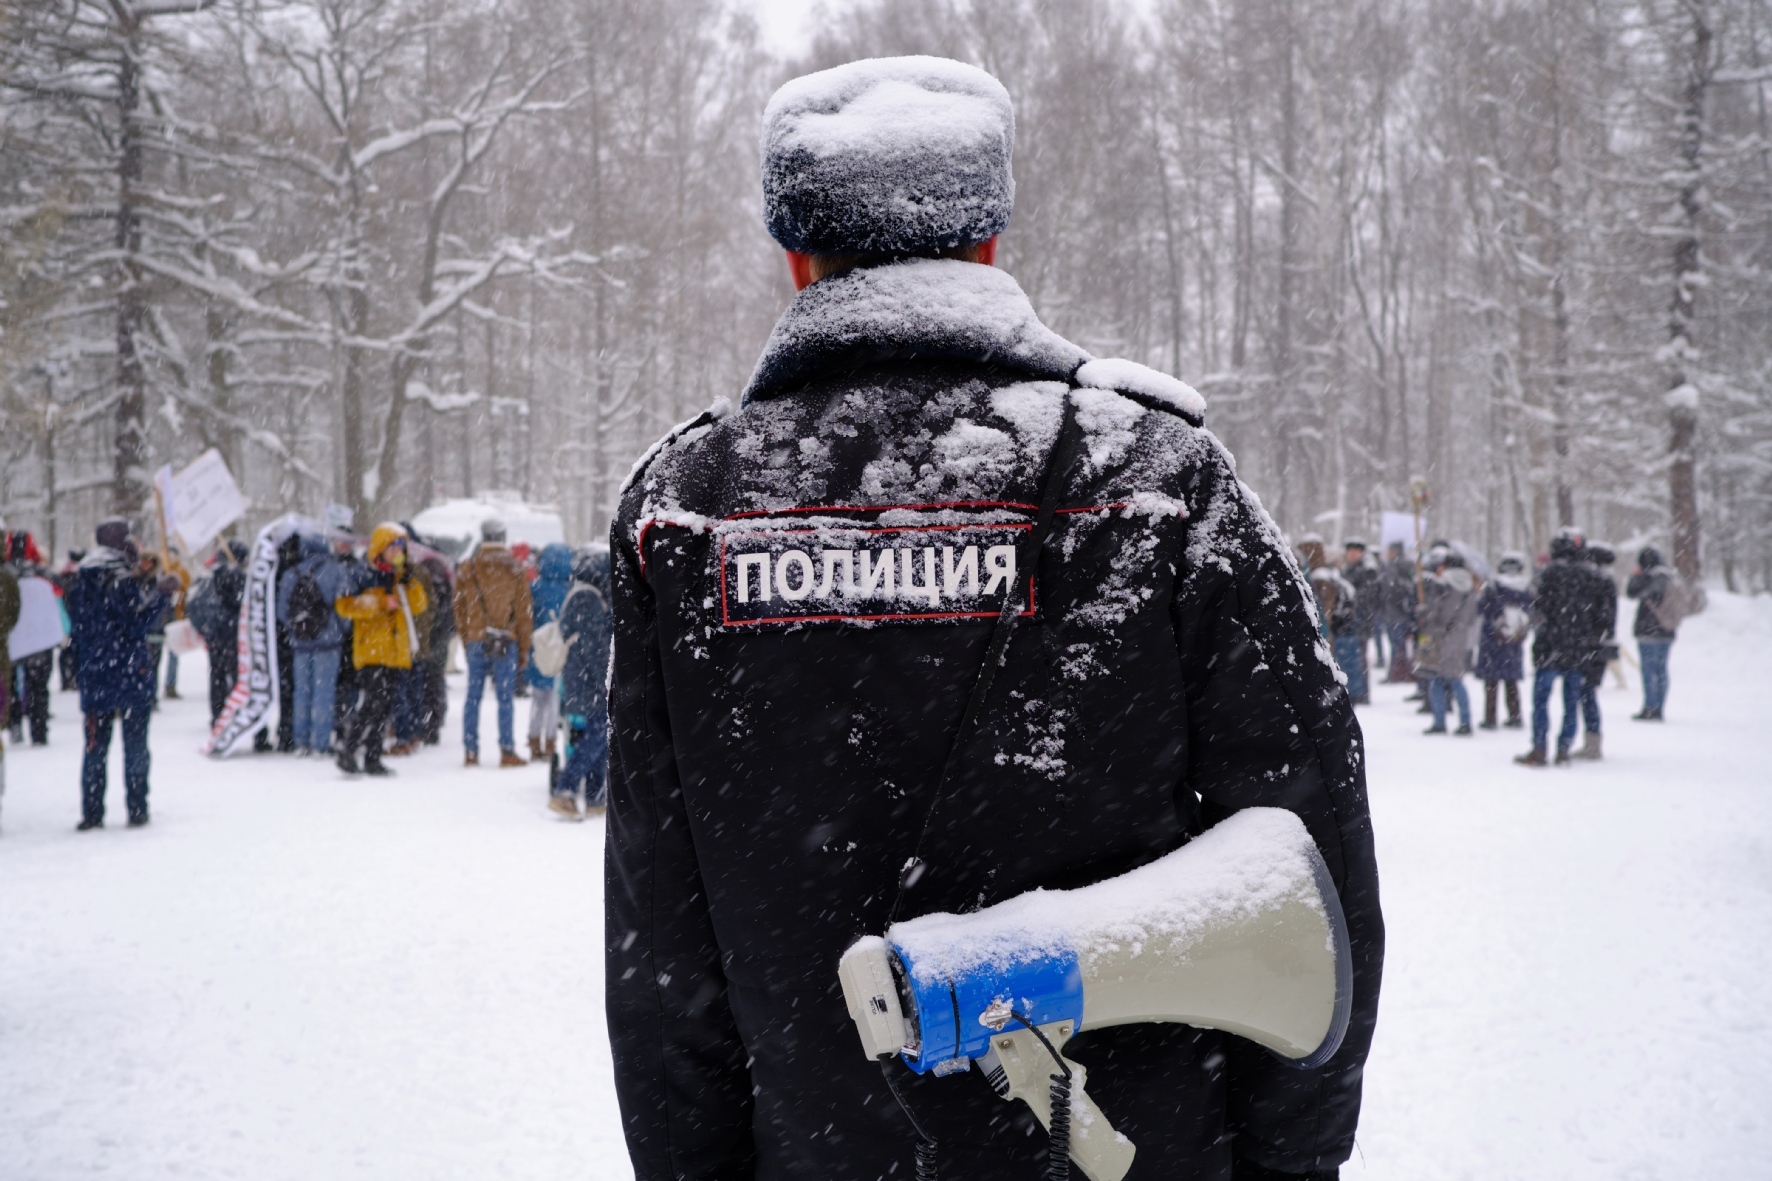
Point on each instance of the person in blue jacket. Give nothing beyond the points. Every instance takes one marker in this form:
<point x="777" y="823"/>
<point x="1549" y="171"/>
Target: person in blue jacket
<point x="587" y="625"/>
<point x="112" y="610"/>
<point x="553" y="579"/>
<point x="305" y="597"/>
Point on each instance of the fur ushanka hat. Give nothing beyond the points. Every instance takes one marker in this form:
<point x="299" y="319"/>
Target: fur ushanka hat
<point x="891" y="155"/>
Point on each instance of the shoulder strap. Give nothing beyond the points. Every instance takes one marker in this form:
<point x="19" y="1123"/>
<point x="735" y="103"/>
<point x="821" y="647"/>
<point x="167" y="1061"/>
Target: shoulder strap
<point x="1028" y="559"/>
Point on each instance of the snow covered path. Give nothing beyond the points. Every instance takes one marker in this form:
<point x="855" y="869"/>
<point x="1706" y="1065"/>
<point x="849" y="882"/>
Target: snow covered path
<point x="291" y="975"/>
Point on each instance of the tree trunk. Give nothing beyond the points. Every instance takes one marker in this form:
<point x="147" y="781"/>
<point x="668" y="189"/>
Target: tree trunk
<point x="129" y="489"/>
<point x="1682" y="395"/>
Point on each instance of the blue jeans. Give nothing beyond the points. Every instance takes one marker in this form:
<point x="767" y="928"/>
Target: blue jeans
<point x="1654" y="656"/>
<point x="98" y="753"/>
<point x="1350" y="654"/>
<point x="409" y="707"/>
<point x="316" y="684"/>
<point x="1437" y="688"/>
<point x="1542" y="682"/>
<point x="504" y="687"/>
<point x="589" y="763"/>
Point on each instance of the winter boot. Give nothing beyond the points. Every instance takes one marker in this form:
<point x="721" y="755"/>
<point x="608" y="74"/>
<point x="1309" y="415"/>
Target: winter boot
<point x="471" y="759"/>
<point x="1562" y="759"/>
<point x="88" y="824"/>
<point x="1590" y="747"/>
<point x="138" y="819"/>
<point x="1465" y="730"/>
<point x="377" y="769"/>
<point x="550" y="749"/>
<point x="535" y="755"/>
<point x="510" y="758"/>
<point x="565" y="806"/>
<point x="1434" y="730"/>
<point x="347" y="762"/>
<point x="1532" y="758"/>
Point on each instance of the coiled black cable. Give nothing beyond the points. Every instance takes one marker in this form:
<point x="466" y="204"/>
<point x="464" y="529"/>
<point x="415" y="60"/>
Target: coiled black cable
<point x="1058" y="1129"/>
<point x="927" y="1145"/>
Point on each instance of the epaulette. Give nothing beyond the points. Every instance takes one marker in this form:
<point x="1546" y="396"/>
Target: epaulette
<point x="1144" y="385"/>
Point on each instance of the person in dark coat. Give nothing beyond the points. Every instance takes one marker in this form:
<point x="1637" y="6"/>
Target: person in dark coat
<point x="1599" y="560"/>
<point x="1397" y="612"/>
<point x="214" y="611"/>
<point x="434" y="659"/>
<point x="1566" y="629"/>
<point x="1362" y="574"/>
<point x="587" y="626"/>
<point x="1649" y="585"/>
<point x="316" y="640"/>
<point x="112" y="611"/>
<point x="804" y="588"/>
<point x="1505" y="611"/>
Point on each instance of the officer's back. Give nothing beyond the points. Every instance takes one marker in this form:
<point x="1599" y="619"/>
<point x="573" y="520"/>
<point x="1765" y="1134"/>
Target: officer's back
<point x="805" y="585"/>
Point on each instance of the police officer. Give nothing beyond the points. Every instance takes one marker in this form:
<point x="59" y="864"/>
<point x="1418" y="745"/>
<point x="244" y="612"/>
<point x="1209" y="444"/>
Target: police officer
<point x="805" y="585"/>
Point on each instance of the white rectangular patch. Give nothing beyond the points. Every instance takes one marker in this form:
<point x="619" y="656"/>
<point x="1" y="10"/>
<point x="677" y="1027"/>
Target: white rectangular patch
<point x="868" y="573"/>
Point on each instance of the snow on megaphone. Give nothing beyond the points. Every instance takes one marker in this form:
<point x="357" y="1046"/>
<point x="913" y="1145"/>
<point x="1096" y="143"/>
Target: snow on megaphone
<point x="1239" y="930"/>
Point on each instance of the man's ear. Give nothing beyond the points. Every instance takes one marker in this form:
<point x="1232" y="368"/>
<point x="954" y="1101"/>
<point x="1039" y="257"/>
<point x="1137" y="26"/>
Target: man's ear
<point x="800" y="267"/>
<point x="987" y="252"/>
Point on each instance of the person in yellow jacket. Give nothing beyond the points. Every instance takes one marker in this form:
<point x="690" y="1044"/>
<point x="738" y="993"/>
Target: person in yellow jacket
<point x="384" y="643"/>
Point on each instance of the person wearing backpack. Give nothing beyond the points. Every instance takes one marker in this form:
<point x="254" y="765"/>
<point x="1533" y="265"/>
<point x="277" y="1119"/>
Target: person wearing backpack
<point x="305" y="597"/>
<point x="1663" y="601"/>
<point x="214" y="610"/>
<point x="1505" y="609"/>
<point x="553" y="581"/>
<point x="586" y="627"/>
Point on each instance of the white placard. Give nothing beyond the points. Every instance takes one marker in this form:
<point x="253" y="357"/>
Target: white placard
<point x="1400" y="527"/>
<point x="39" y="626"/>
<point x="205" y="500"/>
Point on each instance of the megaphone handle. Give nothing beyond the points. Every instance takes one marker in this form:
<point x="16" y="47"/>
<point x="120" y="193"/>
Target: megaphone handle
<point x="1019" y="1067"/>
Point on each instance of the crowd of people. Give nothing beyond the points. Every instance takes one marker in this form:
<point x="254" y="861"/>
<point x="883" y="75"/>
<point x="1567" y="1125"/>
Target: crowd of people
<point x="364" y="630"/>
<point x="1434" y="622"/>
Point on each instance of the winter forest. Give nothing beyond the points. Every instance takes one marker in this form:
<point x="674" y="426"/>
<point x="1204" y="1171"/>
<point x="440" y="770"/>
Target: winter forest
<point x="381" y="252"/>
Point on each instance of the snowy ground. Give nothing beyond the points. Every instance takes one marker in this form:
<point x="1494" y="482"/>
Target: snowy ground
<point x="292" y="975"/>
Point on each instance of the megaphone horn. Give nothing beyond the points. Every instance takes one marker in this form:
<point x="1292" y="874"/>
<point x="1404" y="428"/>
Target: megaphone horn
<point x="1240" y="930"/>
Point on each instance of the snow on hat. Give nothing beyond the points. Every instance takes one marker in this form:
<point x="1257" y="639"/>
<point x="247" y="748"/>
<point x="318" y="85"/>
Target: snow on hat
<point x="492" y="529"/>
<point x="890" y="155"/>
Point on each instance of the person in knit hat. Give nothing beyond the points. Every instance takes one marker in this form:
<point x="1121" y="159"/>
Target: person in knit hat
<point x="804" y="583"/>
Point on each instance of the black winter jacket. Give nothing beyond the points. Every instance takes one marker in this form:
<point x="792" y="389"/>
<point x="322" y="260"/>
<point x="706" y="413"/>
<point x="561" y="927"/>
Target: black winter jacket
<point x="1569" y="614"/>
<point x="1648" y="587"/>
<point x="776" y="740"/>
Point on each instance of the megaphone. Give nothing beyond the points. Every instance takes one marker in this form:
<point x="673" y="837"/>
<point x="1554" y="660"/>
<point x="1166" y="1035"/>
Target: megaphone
<point x="1239" y="930"/>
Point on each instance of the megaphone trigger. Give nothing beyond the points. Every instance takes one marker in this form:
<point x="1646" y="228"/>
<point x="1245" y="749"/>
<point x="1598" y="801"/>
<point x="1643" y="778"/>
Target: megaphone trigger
<point x="1018" y="1065"/>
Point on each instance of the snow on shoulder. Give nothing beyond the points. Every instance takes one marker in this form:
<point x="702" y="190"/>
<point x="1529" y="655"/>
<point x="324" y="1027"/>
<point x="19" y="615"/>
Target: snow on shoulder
<point x="1251" y="862"/>
<point x="897" y="155"/>
<point x="1129" y="377"/>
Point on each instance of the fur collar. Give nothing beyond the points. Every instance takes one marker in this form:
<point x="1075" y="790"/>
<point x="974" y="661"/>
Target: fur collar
<point x="918" y="308"/>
